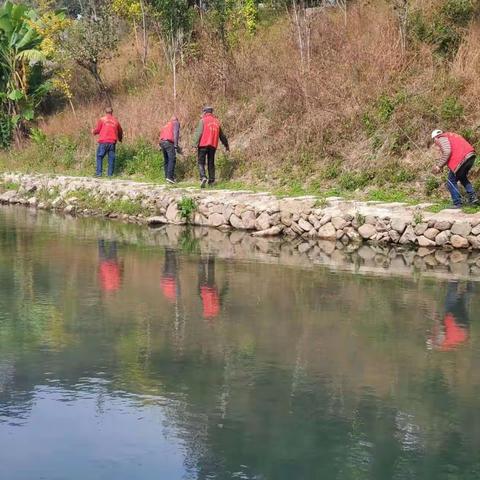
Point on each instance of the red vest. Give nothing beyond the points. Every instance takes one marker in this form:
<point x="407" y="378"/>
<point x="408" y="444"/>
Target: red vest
<point x="167" y="132"/>
<point x="460" y="149"/>
<point x="109" y="129"/>
<point x="211" y="131"/>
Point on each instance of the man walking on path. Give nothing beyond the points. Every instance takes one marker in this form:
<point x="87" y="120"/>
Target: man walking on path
<point x="109" y="133"/>
<point x="459" y="156"/>
<point x="206" y="138"/>
<point x="169" y="137"/>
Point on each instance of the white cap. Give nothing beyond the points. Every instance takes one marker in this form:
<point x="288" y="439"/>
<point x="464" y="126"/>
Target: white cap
<point x="436" y="133"/>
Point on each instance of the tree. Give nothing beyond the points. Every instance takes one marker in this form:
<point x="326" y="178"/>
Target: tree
<point x="22" y="85"/>
<point x="173" y="20"/>
<point x="91" y="41"/>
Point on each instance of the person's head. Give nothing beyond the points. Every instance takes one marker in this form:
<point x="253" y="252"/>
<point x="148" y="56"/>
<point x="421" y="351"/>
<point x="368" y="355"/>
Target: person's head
<point x="207" y="110"/>
<point x="174" y="118"/>
<point x="109" y="110"/>
<point x="436" y="133"/>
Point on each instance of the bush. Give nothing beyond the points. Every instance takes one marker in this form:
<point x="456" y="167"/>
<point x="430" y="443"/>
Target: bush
<point x="431" y="185"/>
<point x="187" y="207"/>
<point x="352" y="181"/>
<point x="140" y="158"/>
<point x="451" y="109"/>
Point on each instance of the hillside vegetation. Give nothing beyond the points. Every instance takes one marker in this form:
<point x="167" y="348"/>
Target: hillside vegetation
<point x="325" y="100"/>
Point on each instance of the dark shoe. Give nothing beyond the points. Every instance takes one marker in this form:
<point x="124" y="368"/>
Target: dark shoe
<point x="170" y="180"/>
<point x="455" y="206"/>
<point x="204" y="182"/>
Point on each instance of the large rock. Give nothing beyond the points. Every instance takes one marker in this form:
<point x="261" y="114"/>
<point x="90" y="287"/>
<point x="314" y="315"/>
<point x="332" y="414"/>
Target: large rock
<point x="367" y="230"/>
<point x="442" y="238"/>
<point x="327" y="232"/>
<point x="248" y="220"/>
<point x="458" y="241"/>
<point x="431" y="233"/>
<point x="269" y="232"/>
<point x="461" y="228"/>
<point x="394" y="236"/>
<point x="7" y="196"/>
<point x="408" y="236"/>
<point x="425" y="242"/>
<point x="156" y="220"/>
<point x="442" y="225"/>
<point x="216" y="219"/>
<point x="399" y="224"/>
<point x="172" y="213"/>
<point x="236" y="222"/>
<point x="339" y="223"/>
<point x="304" y="225"/>
<point x="420" y="228"/>
<point x="474" y="241"/>
<point x="263" y="221"/>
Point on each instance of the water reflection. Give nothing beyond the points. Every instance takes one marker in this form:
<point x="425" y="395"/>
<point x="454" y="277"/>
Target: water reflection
<point x="211" y="298"/>
<point x="109" y="267"/>
<point x="453" y="329"/>
<point x="307" y="374"/>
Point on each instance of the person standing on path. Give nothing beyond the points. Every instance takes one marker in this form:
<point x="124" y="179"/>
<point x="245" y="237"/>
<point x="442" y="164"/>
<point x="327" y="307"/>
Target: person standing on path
<point x="109" y="132"/>
<point x="206" y="138"/>
<point x="459" y="156"/>
<point x="169" y="137"/>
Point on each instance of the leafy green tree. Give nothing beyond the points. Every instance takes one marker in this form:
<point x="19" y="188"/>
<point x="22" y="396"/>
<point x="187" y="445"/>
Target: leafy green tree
<point x="91" y="41"/>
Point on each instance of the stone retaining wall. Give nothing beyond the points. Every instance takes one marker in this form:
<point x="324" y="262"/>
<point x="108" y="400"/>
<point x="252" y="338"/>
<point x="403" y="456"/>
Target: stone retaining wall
<point x="259" y="214"/>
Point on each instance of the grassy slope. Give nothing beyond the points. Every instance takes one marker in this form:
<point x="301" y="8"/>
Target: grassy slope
<point x="356" y="123"/>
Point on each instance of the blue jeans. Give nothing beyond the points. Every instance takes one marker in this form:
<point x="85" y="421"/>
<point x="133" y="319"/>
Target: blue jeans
<point x="169" y="157"/>
<point x="102" y="150"/>
<point x="461" y="176"/>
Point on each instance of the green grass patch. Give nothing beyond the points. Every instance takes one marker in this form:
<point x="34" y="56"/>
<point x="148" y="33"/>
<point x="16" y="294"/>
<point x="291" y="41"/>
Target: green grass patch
<point x="388" y="196"/>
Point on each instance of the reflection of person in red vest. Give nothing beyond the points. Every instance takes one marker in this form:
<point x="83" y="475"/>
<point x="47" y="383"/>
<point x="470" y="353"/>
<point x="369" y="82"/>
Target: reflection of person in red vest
<point x="109" y="270"/>
<point x="209" y="294"/>
<point x="459" y="156"/>
<point x="169" y="281"/>
<point x="207" y="135"/>
<point x="453" y="331"/>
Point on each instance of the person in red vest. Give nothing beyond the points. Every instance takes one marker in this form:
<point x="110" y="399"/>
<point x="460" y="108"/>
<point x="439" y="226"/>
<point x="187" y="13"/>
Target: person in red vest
<point x="109" y="132"/>
<point x="169" y="137"/>
<point x="109" y="270"/>
<point x="459" y="156"/>
<point x="454" y="330"/>
<point x="206" y="138"/>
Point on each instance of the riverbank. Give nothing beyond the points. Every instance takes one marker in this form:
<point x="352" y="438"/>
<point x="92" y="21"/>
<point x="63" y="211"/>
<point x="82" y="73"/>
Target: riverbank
<point x="260" y="214"/>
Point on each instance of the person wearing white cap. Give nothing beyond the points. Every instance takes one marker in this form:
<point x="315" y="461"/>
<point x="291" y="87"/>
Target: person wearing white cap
<point x="459" y="156"/>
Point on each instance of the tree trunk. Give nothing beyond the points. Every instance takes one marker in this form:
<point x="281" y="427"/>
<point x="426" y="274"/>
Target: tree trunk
<point x="100" y="83"/>
<point x="145" y="36"/>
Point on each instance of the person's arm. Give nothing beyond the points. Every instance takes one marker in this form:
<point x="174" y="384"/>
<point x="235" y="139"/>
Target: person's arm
<point x="97" y="129"/>
<point x="198" y="134"/>
<point x="446" y="149"/>
<point x="120" y="133"/>
<point x="224" y="140"/>
<point x="176" y="134"/>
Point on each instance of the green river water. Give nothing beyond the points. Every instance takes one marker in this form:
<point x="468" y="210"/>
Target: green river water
<point x="131" y="354"/>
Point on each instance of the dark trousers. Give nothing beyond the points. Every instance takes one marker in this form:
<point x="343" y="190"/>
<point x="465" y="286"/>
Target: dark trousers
<point x="207" y="154"/>
<point x="169" y="159"/>
<point x="102" y="150"/>
<point x="461" y="176"/>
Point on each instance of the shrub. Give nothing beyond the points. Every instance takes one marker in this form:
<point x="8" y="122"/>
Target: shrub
<point x="451" y="109"/>
<point x="353" y="181"/>
<point x="431" y="185"/>
<point x="186" y="207"/>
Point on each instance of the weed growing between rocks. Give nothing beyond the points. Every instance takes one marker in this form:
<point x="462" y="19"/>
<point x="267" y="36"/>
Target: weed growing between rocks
<point x="186" y="208"/>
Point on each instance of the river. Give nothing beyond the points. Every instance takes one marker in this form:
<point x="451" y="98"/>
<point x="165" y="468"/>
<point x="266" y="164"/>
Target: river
<point x="127" y="353"/>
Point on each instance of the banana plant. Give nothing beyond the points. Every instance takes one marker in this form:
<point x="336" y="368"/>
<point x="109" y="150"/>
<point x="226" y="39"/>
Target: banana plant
<point x="21" y="84"/>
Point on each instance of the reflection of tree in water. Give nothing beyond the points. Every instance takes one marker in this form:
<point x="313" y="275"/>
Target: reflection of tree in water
<point x="271" y="387"/>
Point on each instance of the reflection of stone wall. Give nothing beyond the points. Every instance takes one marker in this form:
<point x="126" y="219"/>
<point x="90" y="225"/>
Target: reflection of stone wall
<point x="260" y="214"/>
<point x="388" y="260"/>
